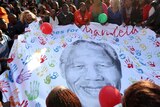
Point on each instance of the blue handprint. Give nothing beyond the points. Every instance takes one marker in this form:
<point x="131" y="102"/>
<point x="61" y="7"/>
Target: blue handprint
<point x="33" y="39"/>
<point x="27" y="45"/>
<point x="26" y="60"/>
<point x="10" y="74"/>
<point x="151" y="38"/>
<point x="140" y="71"/>
<point x="116" y="39"/>
<point x="54" y="76"/>
<point x="38" y="105"/>
<point x="138" y="52"/>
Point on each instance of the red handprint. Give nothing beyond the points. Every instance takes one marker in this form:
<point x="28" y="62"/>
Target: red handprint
<point x="3" y="85"/>
<point x="157" y="43"/>
<point x="13" y="98"/>
<point x="25" y="103"/>
<point x="9" y="60"/>
<point x="42" y="41"/>
<point x="129" y="63"/>
<point x="24" y="41"/>
<point x="152" y="64"/>
<point x="156" y="75"/>
<point x="132" y="49"/>
<point x="147" y="79"/>
<point x="64" y="45"/>
<point x="13" y="103"/>
<point x="43" y="58"/>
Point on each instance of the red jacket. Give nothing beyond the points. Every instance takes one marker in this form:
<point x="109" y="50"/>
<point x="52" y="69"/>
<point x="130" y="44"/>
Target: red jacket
<point x="146" y="9"/>
<point x="79" y="20"/>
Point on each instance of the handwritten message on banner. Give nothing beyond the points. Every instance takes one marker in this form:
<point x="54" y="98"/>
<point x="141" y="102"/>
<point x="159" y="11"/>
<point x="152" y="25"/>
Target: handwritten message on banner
<point x="83" y="59"/>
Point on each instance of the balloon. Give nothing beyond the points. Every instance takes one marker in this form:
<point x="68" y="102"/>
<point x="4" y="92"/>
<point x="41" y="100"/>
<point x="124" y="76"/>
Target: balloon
<point x="102" y="18"/>
<point x="109" y="96"/>
<point x="46" y="28"/>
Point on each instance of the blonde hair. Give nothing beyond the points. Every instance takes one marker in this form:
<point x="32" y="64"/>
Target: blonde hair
<point x="24" y="13"/>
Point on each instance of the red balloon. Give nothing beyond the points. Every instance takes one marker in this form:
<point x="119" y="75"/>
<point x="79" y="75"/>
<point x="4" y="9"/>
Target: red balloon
<point x="46" y="28"/>
<point x="109" y="96"/>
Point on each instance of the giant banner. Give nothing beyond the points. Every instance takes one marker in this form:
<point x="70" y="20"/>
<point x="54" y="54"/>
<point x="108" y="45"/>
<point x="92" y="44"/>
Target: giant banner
<point x="83" y="59"/>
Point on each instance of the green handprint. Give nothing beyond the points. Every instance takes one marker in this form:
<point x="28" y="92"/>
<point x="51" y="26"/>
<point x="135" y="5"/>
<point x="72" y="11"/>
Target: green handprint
<point x="48" y="79"/>
<point x="51" y="64"/>
<point x="19" y="56"/>
<point x="48" y="50"/>
<point x="158" y="54"/>
<point x="34" y="91"/>
<point x="26" y="36"/>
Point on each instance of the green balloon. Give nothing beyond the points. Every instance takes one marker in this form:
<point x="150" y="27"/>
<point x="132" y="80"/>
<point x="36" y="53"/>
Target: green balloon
<point x="102" y="18"/>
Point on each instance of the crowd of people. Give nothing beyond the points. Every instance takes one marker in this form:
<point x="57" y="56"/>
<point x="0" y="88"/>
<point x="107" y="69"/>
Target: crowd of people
<point x="16" y="15"/>
<point x="139" y="94"/>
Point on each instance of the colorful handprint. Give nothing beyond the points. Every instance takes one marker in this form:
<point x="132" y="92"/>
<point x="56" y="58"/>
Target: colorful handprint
<point x="24" y="103"/>
<point x="13" y="98"/>
<point x="37" y="105"/>
<point x="43" y="71"/>
<point x="23" y="76"/>
<point x="132" y="49"/>
<point x="51" y="63"/>
<point x="11" y="71"/>
<point x="57" y="49"/>
<point x="132" y="80"/>
<point x="138" y="52"/>
<point x="152" y="64"/>
<point x="54" y="75"/>
<point x="4" y="85"/>
<point x="158" y="54"/>
<point x="143" y="46"/>
<point x="147" y="78"/>
<point x="129" y="63"/>
<point x="26" y="60"/>
<point x="122" y="56"/>
<point x="149" y="55"/>
<point x="27" y="45"/>
<point x="34" y="91"/>
<point x="47" y="80"/>
<point x="24" y="41"/>
<point x="42" y="41"/>
<point x="157" y="43"/>
<point x="10" y="76"/>
<point x="64" y="44"/>
<point x="151" y="38"/>
<point x="43" y="58"/>
<point x="33" y="39"/>
<point x="156" y="75"/>
<point x="11" y="58"/>
<point x="138" y="39"/>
